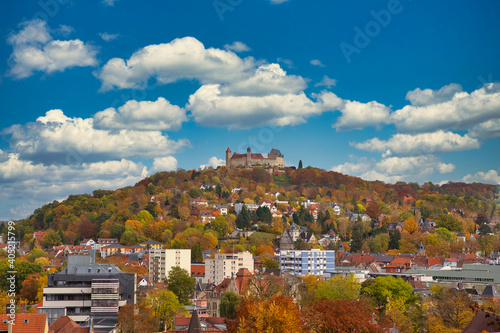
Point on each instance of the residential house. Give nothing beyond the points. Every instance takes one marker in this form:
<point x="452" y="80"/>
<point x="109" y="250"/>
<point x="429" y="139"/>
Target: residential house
<point x="199" y="202"/>
<point x="161" y="262"/>
<point x="24" y="323"/>
<point x="313" y="262"/>
<point x="224" y="265"/>
<point x="294" y="233"/>
<point x="151" y="244"/>
<point x="38" y="234"/>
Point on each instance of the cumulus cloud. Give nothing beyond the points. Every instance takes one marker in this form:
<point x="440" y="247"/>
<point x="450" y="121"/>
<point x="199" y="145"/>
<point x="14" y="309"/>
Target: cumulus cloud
<point x="237" y="47"/>
<point x="489" y="177"/>
<point x="108" y="37"/>
<point x="393" y="169"/>
<point x="183" y="58"/>
<point x="316" y="62"/>
<point x="419" y="144"/>
<point x="488" y="130"/>
<point x="267" y="80"/>
<point x="166" y="163"/>
<point x="419" y="97"/>
<point x="57" y="138"/>
<point x="144" y="115"/>
<point x="357" y="115"/>
<point x="213" y="162"/>
<point x="210" y="107"/>
<point x="35" y="50"/>
<point x="326" y="82"/>
<point x="21" y="179"/>
<point x="462" y="111"/>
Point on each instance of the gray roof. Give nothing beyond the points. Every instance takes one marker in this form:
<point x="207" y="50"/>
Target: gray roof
<point x="82" y="265"/>
<point x="474" y="273"/>
<point x="490" y="291"/>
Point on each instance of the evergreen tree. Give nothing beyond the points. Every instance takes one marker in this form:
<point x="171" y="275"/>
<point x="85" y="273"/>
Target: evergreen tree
<point x="394" y="239"/>
<point x="244" y="219"/>
<point x="196" y="253"/>
<point x="300" y="164"/>
<point x="357" y="241"/>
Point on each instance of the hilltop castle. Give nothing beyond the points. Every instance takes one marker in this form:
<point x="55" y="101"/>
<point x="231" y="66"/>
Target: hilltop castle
<point x="274" y="158"/>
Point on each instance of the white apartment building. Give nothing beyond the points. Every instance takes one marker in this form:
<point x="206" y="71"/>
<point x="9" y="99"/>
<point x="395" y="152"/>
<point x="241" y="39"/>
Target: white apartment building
<point x="161" y="262"/>
<point x="224" y="265"/>
<point x="313" y="262"/>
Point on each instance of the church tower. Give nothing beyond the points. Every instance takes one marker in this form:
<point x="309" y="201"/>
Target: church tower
<point x="228" y="157"/>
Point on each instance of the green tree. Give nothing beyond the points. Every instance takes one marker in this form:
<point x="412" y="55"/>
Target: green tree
<point x="300" y="165"/>
<point x="196" y="253"/>
<point x="180" y="283"/>
<point x="51" y="238"/>
<point x="394" y="239"/>
<point x="165" y="305"/>
<point x="449" y="222"/>
<point x="339" y="288"/>
<point x="386" y="288"/>
<point x="228" y="302"/>
<point x="357" y="241"/>
<point x="145" y="217"/>
<point x="219" y="225"/>
<point x="244" y="220"/>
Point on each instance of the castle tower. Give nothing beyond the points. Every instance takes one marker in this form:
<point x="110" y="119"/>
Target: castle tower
<point x="249" y="157"/>
<point x="228" y="157"/>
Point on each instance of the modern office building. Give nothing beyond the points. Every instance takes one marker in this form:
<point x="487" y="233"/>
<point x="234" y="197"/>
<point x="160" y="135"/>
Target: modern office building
<point x="89" y="293"/>
<point x="313" y="262"/>
<point x="161" y="262"/>
<point x="225" y="265"/>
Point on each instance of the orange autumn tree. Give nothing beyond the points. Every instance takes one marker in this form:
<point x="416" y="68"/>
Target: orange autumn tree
<point x="274" y="315"/>
<point x="328" y="316"/>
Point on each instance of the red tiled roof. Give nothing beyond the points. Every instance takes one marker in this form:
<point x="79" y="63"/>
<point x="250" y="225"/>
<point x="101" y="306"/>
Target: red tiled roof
<point x="198" y="270"/>
<point x="26" y="323"/>
<point x="65" y="324"/>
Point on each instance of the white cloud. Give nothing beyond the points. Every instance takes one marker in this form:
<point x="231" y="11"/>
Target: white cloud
<point x="166" y="163"/>
<point x="488" y="130"/>
<point x="267" y="80"/>
<point x="35" y="182"/>
<point x="489" y="177"/>
<point x="327" y="82"/>
<point x="213" y="162"/>
<point x="462" y="111"/>
<point x="287" y="62"/>
<point x="419" y="144"/>
<point x="108" y="37"/>
<point x="357" y="115"/>
<point x="419" y="97"/>
<point x="316" y="62"/>
<point x="237" y="47"/>
<point x="183" y="58"/>
<point x="57" y="138"/>
<point x="394" y="169"/>
<point x="277" y="2"/>
<point x="210" y="107"/>
<point x="65" y="30"/>
<point x="144" y="115"/>
<point x="35" y="50"/>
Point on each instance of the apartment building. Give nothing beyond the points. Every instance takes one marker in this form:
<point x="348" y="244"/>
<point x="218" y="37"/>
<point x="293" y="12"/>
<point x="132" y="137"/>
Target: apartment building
<point x="161" y="262"/>
<point x="313" y="262"/>
<point x="88" y="292"/>
<point x="225" y="265"/>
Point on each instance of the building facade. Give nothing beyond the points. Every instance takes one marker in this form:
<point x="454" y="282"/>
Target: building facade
<point x="313" y="262"/>
<point x="161" y="262"/>
<point x="226" y="265"/>
<point x="274" y="159"/>
<point x="88" y="292"/>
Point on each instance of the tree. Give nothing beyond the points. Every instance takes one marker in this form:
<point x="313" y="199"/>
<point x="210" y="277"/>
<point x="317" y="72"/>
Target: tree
<point x="180" y="283"/>
<point x="410" y="225"/>
<point x="274" y="315"/>
<point x="450" y="308"/>
<point x="386" y="288"/>
<point x="339" y="288"/>
<point x="51" y="238"/>
<point x="484" y="230"/>
<point x="229" y="300"/>
<point x="142" y="321"/>
<point x="449" y="222"/>
<point x="373" y="210"/>
<point x="244" y="221"/>
<point x="328" y="316"/>
<point x="357" y="241"/>
<point x="30" y="287"/>
<point x="300" y="165"/>
<point x="165" y="305"/>
<point x="394" y="239"/>
<point x="219" y="225"/>
<point x="196" y="253"/>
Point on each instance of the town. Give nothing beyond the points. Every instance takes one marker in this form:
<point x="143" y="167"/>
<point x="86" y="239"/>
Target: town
<point x="257" y="246"/>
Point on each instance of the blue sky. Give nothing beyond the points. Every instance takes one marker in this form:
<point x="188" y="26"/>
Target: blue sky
<point x="101" y="94"/>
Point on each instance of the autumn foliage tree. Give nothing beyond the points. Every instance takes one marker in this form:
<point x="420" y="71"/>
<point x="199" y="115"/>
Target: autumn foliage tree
<point x="328" y="316"/>
<point x="275" y="315"/>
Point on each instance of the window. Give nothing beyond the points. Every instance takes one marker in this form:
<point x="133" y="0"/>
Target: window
<point x="26" y="321"/>
<point x="5" y="321"/>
